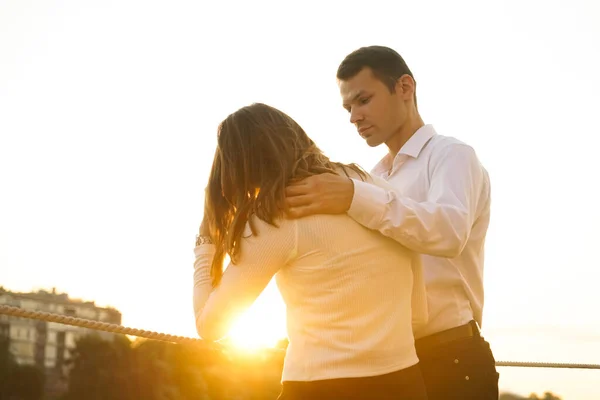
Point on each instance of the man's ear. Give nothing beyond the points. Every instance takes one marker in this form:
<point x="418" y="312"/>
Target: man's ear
<point x="406" y="86"/>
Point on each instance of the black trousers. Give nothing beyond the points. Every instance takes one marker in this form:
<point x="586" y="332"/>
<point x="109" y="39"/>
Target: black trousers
<point x="463" y="369"/>
<point x="406" y="384"/>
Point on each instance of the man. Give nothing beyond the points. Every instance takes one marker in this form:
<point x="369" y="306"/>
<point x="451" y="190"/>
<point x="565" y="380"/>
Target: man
<point x="440" y="207"/>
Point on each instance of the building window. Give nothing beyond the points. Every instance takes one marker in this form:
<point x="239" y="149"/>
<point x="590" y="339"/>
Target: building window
<point x="41" y="330"/>
<point x="60" y="349"/>
<point x="4" y="330"/>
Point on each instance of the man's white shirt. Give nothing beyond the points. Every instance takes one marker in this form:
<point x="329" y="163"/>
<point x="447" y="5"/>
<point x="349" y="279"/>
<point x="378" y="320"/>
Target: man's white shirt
<point x="439" y="206"/>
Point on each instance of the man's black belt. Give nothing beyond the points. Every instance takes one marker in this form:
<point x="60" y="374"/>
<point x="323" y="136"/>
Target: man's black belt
<point x="465" y="331"/>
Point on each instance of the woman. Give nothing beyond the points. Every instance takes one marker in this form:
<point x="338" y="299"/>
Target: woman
<point x="348" y="290"/>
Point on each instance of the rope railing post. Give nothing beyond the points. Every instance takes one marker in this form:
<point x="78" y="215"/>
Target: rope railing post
<point x="106" y="327"/>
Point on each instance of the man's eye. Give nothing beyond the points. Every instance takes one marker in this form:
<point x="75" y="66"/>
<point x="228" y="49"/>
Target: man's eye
<point x="364" y="100"/>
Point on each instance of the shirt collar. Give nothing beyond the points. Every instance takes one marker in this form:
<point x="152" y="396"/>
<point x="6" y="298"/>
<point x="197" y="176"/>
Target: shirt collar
<point x="417" y="141"/>
<point x="411" y="148"/>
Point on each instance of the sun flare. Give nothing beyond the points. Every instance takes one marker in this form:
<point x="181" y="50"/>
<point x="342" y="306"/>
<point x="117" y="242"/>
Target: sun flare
<point x="263" y="325"/>
<point x="249" y="336"/>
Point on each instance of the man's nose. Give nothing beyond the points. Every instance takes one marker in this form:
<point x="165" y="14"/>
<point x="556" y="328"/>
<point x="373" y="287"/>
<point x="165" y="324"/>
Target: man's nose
<point x="355" y="116"/>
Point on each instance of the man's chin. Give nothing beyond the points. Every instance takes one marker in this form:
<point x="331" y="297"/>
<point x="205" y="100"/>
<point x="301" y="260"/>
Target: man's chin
<point x="373" y="141"/>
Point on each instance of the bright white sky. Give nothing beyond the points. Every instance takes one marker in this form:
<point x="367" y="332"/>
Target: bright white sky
<point x="108" y="115"/>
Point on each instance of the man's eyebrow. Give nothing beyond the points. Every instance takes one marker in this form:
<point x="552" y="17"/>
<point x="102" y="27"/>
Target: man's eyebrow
<point x="356" y="96"/>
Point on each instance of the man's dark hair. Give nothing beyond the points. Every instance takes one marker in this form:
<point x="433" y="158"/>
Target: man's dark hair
<point x="387" y="65"/>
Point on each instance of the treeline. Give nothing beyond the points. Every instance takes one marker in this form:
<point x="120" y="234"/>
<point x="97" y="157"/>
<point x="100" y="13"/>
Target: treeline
<point x="122" y="369"/>
<point x="152" y="370"/>
<point x="533" y="396"/>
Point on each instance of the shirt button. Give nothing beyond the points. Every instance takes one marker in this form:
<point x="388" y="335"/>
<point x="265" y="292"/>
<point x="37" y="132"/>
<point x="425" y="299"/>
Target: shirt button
<point x="456" y="361"/>
<point x="467" y="378"/>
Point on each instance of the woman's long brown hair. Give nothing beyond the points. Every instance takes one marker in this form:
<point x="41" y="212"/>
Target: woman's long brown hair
<point x="260" y="149"/>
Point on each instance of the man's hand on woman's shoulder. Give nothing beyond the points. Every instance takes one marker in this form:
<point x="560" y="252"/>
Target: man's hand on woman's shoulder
<point x="319" y="194"/>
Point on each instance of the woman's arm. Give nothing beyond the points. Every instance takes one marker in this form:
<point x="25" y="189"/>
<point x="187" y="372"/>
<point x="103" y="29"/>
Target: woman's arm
<point x="261" y="256"/>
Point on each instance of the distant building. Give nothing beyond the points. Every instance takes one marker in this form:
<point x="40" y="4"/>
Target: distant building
<point x="47" y="344"/>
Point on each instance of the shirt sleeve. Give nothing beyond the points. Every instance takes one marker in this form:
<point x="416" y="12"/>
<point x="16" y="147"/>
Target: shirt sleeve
<point x="439" y="226"/>
<point x="260" y="258"/>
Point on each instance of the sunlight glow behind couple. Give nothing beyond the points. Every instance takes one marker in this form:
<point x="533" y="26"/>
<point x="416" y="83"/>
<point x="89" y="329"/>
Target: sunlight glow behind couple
<point x="108" y="126"/>
<point x="263" y="325"/>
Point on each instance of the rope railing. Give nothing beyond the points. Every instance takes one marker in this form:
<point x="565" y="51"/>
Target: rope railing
<point x="114" y="328"/>
<point x="91" y="324"/>
<point x="545" y="365"/>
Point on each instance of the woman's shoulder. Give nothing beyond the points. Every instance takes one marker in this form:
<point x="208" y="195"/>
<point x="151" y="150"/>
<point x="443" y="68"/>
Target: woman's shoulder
<point x="346" y="170"/>
<point x="275" y="240"/>
<point x="257" y="227"/>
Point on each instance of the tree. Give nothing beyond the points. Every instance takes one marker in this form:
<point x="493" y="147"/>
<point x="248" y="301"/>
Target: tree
<point x="155" y="372"/>
<point x="547" y="396"/>
<point x="24" y="382"/>
<point x="7" y="364"/>
<point x="122" y="370"/>
<point x="101" y="370"/>
<point x="532" y="396"/>
<point x="510" y="396"/>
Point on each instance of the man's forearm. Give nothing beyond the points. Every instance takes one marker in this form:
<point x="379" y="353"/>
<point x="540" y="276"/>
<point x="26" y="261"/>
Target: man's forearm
<point x="437" y="229"/>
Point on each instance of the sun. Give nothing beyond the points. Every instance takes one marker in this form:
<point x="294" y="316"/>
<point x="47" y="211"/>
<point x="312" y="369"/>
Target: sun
<point x="250" y="336"/>
<point x="263" y="325"/>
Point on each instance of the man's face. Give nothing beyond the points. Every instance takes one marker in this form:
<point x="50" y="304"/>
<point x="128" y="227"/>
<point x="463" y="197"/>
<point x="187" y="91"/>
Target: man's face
<point x="376" y="113"/>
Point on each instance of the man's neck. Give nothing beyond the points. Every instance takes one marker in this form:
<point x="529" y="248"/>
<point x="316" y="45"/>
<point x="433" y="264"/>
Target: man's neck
<point x="405" y="132"/>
